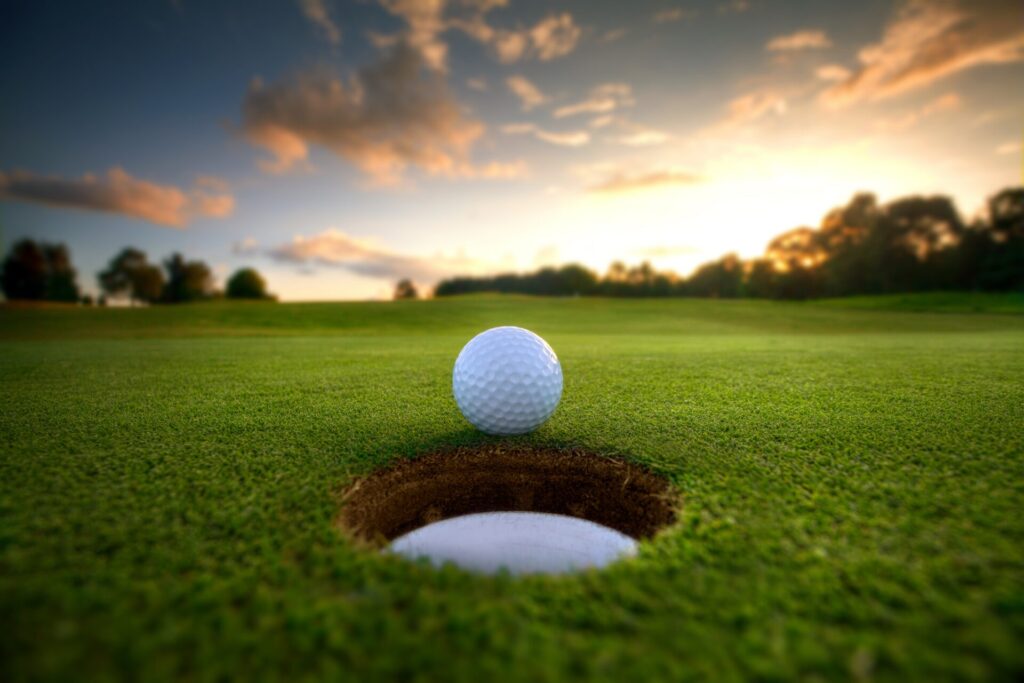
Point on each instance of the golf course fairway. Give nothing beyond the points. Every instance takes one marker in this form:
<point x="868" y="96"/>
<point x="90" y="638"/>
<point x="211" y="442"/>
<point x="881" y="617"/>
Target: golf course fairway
<point x="850" y="478"/>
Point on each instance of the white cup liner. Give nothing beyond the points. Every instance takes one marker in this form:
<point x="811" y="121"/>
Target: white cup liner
<point x="517" y="542"/>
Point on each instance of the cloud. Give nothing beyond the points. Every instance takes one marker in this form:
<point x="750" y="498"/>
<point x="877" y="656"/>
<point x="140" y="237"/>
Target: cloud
<point x="316" y="11"/>
<point x="552" y="37"/>
<point x="620" y="182"/>
<point x="612" y="35"/>
<point x="478" y="84"/>
<point x="946" y="102"/>
<point x="425" y="22"/>
<point x="337" y="249"/>
<point x="602" y="100"/>
<point x="391" y="115"/>
<point x="498" y="170"/>
<point x="808" y="39"/>
<point x="668" y="16"/>
<point x="751" y="107"/>
<point x="511" y="46"/>
<point x="928" y="40"/>
<point x="1013" y="147"/>
<point x="529" y="95"/>
<point x="642" y="137"/>
<point x="573" y="138"/>
<point x="555" y="36"/>
<point x="118" y="193"/>
<point x="832" y="72"/>
<point x="518" y="128"/>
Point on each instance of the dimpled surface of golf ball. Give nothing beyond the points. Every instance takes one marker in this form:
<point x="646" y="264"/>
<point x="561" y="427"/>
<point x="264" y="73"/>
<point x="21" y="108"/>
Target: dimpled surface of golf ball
<point x="507" y="380"/>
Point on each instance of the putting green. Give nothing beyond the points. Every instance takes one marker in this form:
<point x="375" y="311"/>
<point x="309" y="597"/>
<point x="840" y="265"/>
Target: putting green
<point x="851" y="476"/>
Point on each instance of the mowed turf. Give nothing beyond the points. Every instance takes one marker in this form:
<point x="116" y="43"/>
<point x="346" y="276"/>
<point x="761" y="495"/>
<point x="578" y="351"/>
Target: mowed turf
<point x="851" y="477"/>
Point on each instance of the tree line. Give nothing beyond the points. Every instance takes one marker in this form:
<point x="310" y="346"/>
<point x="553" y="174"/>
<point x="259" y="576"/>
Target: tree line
<point x="907" y="245"/>
<point x="43" y="272"/>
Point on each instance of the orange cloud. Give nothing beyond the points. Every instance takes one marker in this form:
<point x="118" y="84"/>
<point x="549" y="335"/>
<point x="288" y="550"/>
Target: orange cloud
<point x="642" y="137"/>
<point x="390" y="116"/>
<point x="621" y="182"/>
<point x="808" y="39"/>
<point x="946" y="102"/>
<point x="529" y="95"/>
<point x="555" y="36"/>
<point x="753" y="106"/>
<point x="426" y="23"/>
<point x="316" y="11"/>
<point x="118" y="193"/>
<point x="928" y="40"/>
<point x="552" y="37"/>
<point x="1012" y="147"/>
<point x="832" y="72"/>
<point x="572" y="138"/>
<point x="602" y="100"/>
<point x="337" y="249"/>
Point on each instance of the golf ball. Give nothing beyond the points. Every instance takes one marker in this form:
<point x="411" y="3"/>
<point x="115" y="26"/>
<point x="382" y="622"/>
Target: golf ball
<point x="507" y="380"/>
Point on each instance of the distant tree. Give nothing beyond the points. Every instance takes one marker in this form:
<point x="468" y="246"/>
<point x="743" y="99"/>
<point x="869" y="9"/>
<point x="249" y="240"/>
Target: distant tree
<point x="39" y="271"/>
<point x="719" y="279"/>
<point x="910" y="244"/>
<point x="843" y="236"/>
<point x="60" y="281"/>
<point x="186" y="280"/>
<point x="761" y="280"/>
<point x="148" y="284"/>
<point x="1003" y="258"/>
<point x="576" y="280"/>
<point x="405" y="289"/>
<point x="130" y="273"/>
<point x="569" y="280"/>
<point x="247" y="283"/>
<point x="86" y="300"/>
<point x="24" y="271"/>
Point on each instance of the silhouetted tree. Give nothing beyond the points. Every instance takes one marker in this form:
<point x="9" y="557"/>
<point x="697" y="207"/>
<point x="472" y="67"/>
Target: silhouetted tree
<point x="719" y="279"/>
<point x="24" y="271"/>
<point x="1004" y="250"/>
<point x="39" y="271"/>
<point x="130" y="273"/>
<point x="568" y="280"/>
<point x="761" y="280"/>
<point x="911" y="244"/>
<point x="843" y="236"/>
<point x="186" y="280"/>
<point x="247" y="283"/>
<point x="405" y="289"/>
<point x="60" y="281"/>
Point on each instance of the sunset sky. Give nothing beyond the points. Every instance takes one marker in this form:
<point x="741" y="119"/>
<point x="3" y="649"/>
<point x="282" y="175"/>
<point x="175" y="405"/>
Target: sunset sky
<point x="338" y="146"/>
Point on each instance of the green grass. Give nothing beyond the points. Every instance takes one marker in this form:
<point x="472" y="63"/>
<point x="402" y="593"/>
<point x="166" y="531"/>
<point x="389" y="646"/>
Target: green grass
<point x="852" y="479"/>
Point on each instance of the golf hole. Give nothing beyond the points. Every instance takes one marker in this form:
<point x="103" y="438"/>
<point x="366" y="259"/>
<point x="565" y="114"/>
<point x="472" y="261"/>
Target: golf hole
<point x="525" y="510"/>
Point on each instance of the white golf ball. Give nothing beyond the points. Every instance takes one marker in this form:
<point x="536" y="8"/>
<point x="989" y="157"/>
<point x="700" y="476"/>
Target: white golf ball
<point x="507" y="380"/>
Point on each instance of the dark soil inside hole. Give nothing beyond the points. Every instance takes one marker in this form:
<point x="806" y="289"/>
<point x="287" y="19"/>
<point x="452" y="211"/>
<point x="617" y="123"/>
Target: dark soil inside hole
<point x="495" y="478"/>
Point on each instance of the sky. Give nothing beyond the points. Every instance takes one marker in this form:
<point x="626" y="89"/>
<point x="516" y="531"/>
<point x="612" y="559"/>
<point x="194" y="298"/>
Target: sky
<point x="340" y="145"/>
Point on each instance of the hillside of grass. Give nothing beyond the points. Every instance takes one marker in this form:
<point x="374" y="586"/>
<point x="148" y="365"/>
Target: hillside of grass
<point x="467" y="313"/>
<point x="851" y="476"/>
